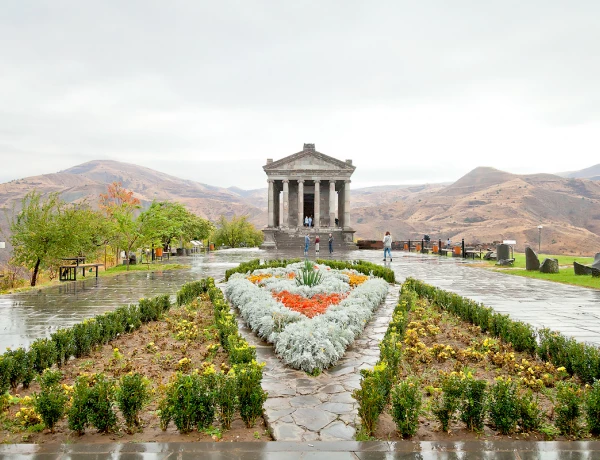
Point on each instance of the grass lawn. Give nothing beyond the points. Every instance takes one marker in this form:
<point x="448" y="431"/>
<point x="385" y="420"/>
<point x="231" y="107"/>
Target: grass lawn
<point x="566" y="275"/>
<point x="140" y="267"/>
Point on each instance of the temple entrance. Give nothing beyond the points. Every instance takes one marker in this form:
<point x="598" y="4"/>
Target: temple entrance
<point x="309" y="206"/>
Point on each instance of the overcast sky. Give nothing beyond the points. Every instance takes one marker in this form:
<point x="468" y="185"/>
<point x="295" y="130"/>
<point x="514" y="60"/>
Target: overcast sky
<point x="412" y="92"/>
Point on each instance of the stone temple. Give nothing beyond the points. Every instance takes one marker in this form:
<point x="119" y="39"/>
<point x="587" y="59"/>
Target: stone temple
<point x="308" y="183"/>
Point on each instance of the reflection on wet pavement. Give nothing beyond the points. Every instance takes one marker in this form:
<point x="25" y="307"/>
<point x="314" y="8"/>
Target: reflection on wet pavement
<point x="572" y="310"/>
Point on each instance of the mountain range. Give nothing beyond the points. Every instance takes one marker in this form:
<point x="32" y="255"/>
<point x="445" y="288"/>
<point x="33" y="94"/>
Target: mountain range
<point x="484" y="206"/>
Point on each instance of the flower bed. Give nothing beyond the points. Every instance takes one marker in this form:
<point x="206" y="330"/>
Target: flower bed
<point x="310" y="326"/>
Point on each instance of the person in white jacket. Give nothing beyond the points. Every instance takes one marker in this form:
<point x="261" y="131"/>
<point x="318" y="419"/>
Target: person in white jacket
<point x="387" y="246"/>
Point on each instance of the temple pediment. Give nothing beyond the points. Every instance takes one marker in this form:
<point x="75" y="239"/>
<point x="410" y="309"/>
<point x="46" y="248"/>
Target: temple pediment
<point x="309" y="160"/>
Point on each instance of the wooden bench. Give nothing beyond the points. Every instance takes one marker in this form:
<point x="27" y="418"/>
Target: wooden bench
<point x="69" y="272"/>
<point x="472" y="254"/>
<point x="444" y="252"/>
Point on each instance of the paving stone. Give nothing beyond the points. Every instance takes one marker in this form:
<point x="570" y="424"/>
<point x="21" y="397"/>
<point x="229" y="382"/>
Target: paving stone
<point x="272" y="415"/>
<point x="286" y="431"/>
<point x="341" y="369"/>
<point x="304" y="401"/>
<point x="331" y="388"/>
<point x="313" y="419"/>
<point x="277" y="403"/>
<point x="344" y="397"/>
<point x="350" y="419"/>
<point x="279" y="389"/>
<point x="337" y="431"/>
<point x="337" y="408"/>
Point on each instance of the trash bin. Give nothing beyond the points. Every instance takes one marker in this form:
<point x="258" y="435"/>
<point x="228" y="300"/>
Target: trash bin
<point x="212" y="246"/>
<point x="180" y="251"/>
<point x="158" y="252"/>
<point x="132" y="259"/>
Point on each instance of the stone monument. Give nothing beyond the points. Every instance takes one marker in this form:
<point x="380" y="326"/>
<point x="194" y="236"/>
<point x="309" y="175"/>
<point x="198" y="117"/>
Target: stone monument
<point x="308" y="184"/>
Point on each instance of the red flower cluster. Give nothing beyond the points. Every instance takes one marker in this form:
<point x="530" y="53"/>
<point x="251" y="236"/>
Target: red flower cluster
<point x="317" y="305"/>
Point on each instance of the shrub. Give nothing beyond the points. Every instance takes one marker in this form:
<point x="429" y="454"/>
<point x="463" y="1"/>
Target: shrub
<point x="568" y="407"/>
<point x="522" y="336"/>
<point x="6" y="363"/>
<point x="44" y="351"/>
<point x="179" y="402"/>
<point x="17" y="366"/>
<point x="50" y="403"/>
<point x="227" y="326"/>
<point x="472" y="410"/>
<point x="446" y="404"/>
<point x="226" y="397"/>
<point x="63" y="342"/>
<point x="83" y="337"/>
<point x="503" y="407"/>
<point x="240" y="352"/>
<point x="131" y="396"/>
<point x="100" y="402"/>
<point x="530" y="414"/>
<point x="406" y="406"/>
<point x="79" y="410"/>
<point x="373" y="395"/>
<point x="592" y="408"/>
<point x="250" y="393"/>
<point x="190" y="291"/>
<point x="205" y="399"/>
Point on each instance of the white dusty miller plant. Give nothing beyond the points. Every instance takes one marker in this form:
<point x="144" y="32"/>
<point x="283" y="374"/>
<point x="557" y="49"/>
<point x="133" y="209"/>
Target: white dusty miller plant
<point x="304" y="343"/>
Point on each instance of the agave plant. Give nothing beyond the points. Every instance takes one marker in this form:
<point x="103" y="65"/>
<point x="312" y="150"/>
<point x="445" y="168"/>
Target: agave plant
<point x="309" y="276"/>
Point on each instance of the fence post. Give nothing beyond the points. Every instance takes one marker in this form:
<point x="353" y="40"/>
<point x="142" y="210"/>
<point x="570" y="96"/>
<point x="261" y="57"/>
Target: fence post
<point x="463" y="248"/>
<point x="408" y="245"/>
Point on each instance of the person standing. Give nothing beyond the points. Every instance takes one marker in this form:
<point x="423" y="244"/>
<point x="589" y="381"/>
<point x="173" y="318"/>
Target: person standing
<point x="448" y="244"/>
<point x="306" y="244"/>
<point x="387" y="246"/>
<point x="306" y="221"/>
<point x="330" y="243"/>
<point x="317" y="241"/>
<point x="309" y="221"/>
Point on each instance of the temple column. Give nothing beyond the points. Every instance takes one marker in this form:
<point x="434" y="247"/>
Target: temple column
<point x="271" y="198"/>
<point x="300" y="202"/>
<point x="332" y="203"/>
<point x="347" y="204"/>
<point x="286" y="203"/>
<point x="317" y="215"/>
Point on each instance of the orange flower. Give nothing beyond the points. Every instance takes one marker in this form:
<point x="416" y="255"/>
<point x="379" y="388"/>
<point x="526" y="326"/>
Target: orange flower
<point x="317" y="305"/>
<point x="258" y="278"/>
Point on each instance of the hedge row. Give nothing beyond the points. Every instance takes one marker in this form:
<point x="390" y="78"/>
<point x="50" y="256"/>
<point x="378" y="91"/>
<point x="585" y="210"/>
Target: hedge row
<point x="362" y="266"/>
<point x="255" y="264"/>
<point x="20" y="366"/>
<point x="376" y="385"/>
<point x="577" y="358"/>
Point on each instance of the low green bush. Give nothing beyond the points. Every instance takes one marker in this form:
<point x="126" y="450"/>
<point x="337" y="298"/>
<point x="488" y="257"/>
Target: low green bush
<point x="63" y="342"/>
<point x="472" y="407"/>
<point x="190" y="291"/>
<point x="51" y="401"/>
<point x="44" y="352"/>
<point x="83" y="337"/>
<point x="592" y="408"/>
<point x="226" y="397"/>
<point x="250" y="393"/>
<point x="132" y="394"/>
<point x="503" y="406"/>
<point x="101" y="401"/>
<point x="6" y="364"/>
<point x="77" y="414"/>
<point x="240" y="352"/>
<point x="445" y="405"/>
<point x="530" y="414"/>
<point x="373" y="394"/>
<point x="568" y="407"/>
<point x="406" y="406"/>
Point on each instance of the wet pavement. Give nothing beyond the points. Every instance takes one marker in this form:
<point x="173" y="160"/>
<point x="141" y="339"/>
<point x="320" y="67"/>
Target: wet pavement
<point x="571" y="310"/>
<point x="351" y="450"/>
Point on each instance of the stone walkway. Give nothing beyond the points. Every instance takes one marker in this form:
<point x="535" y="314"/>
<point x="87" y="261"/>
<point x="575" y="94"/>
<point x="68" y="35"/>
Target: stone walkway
<point x="305" y="408"/>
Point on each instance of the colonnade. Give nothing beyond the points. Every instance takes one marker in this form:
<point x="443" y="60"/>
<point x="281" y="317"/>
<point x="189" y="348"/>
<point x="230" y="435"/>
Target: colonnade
<point x="290" y="200"/>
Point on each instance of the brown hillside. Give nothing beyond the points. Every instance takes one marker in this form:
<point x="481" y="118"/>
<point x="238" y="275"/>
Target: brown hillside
<point x="488" y="205"/>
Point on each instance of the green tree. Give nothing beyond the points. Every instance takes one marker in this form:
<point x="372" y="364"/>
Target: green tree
<point x="236" y="232"/>
<point x="122" y="208"/>
<point x="165" y="222"/>
<point x="45" y="230"/>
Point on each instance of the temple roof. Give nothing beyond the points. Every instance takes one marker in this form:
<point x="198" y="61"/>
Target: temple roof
<point x="309" y="160"/>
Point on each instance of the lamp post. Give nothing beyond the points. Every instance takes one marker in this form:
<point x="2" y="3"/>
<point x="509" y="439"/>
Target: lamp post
<point x="540" y="237"/>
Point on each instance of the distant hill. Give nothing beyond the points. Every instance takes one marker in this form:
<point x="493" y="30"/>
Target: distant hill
<point x="592" y="173"/>
<point x="484" y="205"/>
<point x="489" y="205"/>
